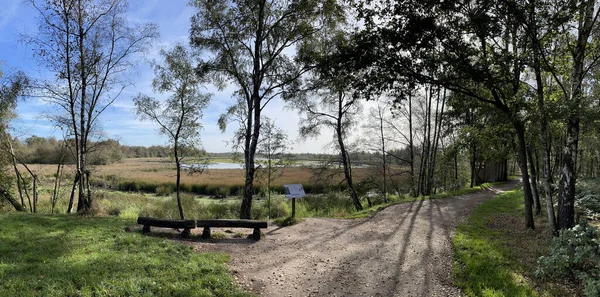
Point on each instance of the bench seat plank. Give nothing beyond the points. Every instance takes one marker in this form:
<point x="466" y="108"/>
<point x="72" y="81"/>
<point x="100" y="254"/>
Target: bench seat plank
<point x="188" y="224"/>
<point x="178" y="224"/>
<point x="231" y="223"/>
<point x="207" y="224"/>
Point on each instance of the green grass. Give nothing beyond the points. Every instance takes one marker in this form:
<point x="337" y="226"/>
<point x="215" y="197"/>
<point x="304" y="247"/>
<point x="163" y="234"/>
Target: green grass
<point x="494" y="254"/>
<point x="42" y="255"/>
<point x="367" y="212"/>
<point x="287" y="221"/>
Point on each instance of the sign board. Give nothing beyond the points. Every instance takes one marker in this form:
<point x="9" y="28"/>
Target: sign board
<point x="294" y="191"/>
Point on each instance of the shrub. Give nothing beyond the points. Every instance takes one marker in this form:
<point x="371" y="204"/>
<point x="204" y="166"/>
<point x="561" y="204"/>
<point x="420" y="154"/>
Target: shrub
<point x="587" y="199"/>
<point x="164" y="190"/>
<point x="574" y="254"/>
<point x="279" y="207"/>
<point x="325" y="205"/>
<point x="222" y="192"/>
<point x="588" y="203"/>
<point x="218" y="210"/>
<point x="259" y="211"/>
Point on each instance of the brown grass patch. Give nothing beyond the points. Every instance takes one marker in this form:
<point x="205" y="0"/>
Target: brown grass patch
<point x="162" y="170"/>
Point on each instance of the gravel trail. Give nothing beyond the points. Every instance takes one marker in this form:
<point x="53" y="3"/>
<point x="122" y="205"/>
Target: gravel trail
<point x="404" y="250"/>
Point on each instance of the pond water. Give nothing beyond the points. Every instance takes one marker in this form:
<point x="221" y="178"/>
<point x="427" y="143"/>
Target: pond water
<point x="217" y="166"/>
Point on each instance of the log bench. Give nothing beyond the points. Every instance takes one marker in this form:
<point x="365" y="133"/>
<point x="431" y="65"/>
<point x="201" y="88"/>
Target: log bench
<point x="186" y="225"/>
<point x="207" y="224"/>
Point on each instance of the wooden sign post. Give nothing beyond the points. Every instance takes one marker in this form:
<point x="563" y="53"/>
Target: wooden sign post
<point x="294" y="191"/>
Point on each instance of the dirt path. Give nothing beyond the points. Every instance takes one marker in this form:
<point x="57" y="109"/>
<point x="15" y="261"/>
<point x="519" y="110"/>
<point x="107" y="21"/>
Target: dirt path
<point x="404" y="250"/>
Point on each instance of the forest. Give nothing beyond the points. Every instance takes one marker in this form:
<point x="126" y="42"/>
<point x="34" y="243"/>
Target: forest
<point x="420" y="99"/>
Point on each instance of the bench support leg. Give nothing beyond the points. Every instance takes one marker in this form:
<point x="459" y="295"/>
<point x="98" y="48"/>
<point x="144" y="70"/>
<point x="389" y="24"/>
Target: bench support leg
<point x="206" y="233"/>
<point x="146" y="229"/>
<point x="256" y="234"/>
<point x="186" y="233"/>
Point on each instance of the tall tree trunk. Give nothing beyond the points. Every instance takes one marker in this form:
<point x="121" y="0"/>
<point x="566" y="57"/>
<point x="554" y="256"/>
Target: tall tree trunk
<point x="82" y="204"/>
<point x="536" y="198"/>
<point x="545" y="137"/>
<point x="269" y="179"/>
<point x="344" y="154"/>
<point x="383" y="153"/>
<point x="528" y="200"/>
<point x="35" y="193"/>
<point x="17" y="173"/>
<point x="425" y="146"/>
<point x="426" y="177"/>
<point x="178" y="180"/>
<point x="253" y="125"/>
<point x="72" y="198"/>
<point x="411" y="147"/>
<point x="57" y="182"/>
<point x="568" y="177"/>
<point x="473" y="164"/>
<point x="436" y="138"/>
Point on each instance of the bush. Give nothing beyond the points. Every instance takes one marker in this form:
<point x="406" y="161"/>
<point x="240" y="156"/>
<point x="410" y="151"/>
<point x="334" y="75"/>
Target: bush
<point x="588" y="203"/>
<point x="325" y="205"/>
<point x="587" y="199"/>
<point x="219" y="210"/>
<point x="164" y="190"/>
<point x="574" y="254"/>
<point x="279" y="207"/>
<point x="259" y="211"/>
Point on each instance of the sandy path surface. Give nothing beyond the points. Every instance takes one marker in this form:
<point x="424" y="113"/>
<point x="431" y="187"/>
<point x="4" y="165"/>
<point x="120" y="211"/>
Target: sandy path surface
<point x="404" y="250"/>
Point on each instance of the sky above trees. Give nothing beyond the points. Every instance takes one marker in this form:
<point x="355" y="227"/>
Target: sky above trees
<point x="119" y="121"/>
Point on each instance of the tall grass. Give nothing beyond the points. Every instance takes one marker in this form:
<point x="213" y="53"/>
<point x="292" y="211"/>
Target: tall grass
<point x="153" y="174"/>
<point x="134" y="203"/>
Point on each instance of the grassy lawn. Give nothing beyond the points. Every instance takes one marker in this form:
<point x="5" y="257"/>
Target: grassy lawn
<point x="42" y="255"/>
<point x="494" y="254"/>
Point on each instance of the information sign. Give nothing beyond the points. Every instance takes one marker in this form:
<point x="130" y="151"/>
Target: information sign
<point x="294" y="191"/>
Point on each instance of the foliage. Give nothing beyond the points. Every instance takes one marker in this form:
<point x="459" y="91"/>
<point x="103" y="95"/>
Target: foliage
<point x="179" y="116"/>
<point x="86" y="46"/>
<point x="86" y="256"/>
<point x="11" y="88"/>
<point x="574" y="254"/>
<point x="41" y="150"/>
<point x="587" y="199"/>
<point x="247" y="44"/>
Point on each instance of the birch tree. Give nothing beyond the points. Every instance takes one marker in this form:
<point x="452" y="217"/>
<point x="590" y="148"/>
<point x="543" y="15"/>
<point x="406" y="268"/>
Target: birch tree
<point x="179" y="115"/>
<point x="10" y="89"/>
<point x="248" y="43"/>
<point x="87" y="46"/>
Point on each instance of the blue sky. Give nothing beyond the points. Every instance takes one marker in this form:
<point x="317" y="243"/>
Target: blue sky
<point x="119" y="120"/>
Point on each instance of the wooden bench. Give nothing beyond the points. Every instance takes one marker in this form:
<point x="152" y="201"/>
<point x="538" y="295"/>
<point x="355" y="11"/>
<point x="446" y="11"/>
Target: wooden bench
<point x="207" y="224"/>
<point x="177" y="224"/>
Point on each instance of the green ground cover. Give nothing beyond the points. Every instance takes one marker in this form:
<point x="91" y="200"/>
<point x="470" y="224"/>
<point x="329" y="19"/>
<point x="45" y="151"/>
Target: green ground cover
<point x="494" y="254"/>
<point x="64" y="255"/>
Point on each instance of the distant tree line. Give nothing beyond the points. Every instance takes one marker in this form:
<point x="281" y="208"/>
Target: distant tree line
<point x="41" y="150"/>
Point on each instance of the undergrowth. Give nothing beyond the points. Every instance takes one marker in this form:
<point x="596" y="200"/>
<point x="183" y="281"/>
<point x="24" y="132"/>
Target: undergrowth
<point x="496" y="256"/>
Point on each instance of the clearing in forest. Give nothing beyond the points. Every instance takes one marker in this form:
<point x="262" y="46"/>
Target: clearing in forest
<point x="403" y="250"/>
